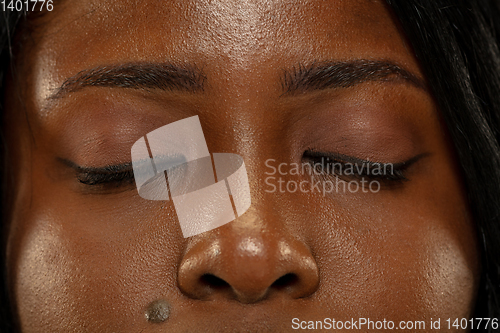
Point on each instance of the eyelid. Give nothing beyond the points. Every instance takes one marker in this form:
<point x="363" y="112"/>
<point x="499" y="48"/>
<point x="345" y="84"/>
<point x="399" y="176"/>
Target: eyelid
<point x="102" y="175"/>
<point x="398" y="168"/>
<point x="112" y="168"/>
<point x="351" y="159"/>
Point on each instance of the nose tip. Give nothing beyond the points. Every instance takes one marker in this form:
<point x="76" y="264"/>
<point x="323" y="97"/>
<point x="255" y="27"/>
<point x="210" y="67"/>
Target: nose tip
<point x="248" y="269"/>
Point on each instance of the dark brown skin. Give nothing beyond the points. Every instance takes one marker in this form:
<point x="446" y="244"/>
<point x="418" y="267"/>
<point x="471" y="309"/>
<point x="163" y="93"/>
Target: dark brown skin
<point x="83" y="259"/>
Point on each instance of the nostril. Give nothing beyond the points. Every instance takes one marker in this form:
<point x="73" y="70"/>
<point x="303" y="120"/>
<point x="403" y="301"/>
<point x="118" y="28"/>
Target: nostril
<point x="214" y="282"/>
<point x="285" y="281"/>
<point x="273" y="267"/>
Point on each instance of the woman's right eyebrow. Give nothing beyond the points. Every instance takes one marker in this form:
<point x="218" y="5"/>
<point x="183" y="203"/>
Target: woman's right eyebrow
<point x="138" y="75"/>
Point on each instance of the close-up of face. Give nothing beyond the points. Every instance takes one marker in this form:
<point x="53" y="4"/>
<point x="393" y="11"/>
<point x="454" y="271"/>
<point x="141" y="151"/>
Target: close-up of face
<point x="279" y="83"/>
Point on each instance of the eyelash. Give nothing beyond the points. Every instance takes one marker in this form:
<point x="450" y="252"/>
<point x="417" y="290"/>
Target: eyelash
<point x="122" y="174"/>
<point x="110" y="175"/>
<point x="397" y="175"/>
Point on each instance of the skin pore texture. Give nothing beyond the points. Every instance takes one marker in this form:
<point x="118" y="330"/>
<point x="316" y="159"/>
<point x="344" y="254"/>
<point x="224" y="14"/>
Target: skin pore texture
<point x="96" y="258"/>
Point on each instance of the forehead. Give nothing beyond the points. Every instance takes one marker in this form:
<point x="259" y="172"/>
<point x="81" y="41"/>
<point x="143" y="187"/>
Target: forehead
<point x="223" y="36"/>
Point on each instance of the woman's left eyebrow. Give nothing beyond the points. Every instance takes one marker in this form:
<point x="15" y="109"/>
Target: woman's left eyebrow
<point x="344" y="74"/>
<point x="141" y="75"/>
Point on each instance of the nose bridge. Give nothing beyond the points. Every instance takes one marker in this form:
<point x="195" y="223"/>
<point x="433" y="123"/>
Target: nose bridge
<point x="251" y="125"/>
<point x="248" y="260"/>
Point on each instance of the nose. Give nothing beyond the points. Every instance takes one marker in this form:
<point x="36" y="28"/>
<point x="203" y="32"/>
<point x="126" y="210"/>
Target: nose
<point x="248" y="264"/>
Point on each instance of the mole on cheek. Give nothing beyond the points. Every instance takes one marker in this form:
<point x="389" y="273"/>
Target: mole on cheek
<point x="157" y="311"/>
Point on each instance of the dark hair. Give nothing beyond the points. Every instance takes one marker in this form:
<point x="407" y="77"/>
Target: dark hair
<point x="9" y="22"/>
<point x="456" y="43"/>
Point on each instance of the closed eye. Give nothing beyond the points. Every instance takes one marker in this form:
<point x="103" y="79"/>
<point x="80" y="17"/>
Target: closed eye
<point x="109" y="175"/>
<point x="347" y="167"/>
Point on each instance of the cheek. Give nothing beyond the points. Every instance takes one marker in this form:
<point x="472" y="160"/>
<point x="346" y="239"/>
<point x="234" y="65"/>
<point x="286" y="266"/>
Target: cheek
<point x="399" y="256"/>
<point x="76" y="263"/>
<point x="414" y="271"/>
<point x="451" y="278"/>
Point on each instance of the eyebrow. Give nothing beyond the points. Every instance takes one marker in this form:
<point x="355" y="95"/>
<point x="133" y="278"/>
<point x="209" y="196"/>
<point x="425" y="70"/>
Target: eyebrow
<point x="298" y="79"/>
<point x="146" y="76"/>
<point x="344" y="74"/>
